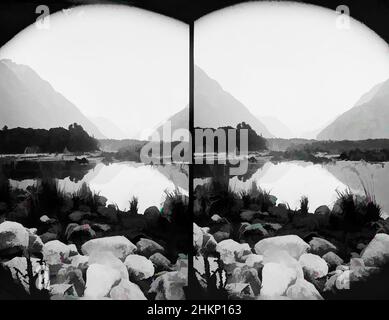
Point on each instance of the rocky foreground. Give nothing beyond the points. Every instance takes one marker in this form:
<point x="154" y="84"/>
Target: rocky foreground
<point x="284" y="267"/>
<point x="105" y="268"/>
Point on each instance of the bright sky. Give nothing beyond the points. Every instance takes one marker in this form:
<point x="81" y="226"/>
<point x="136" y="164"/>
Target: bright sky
<point x="120" y="63"/>
<point x="290" y="60"/>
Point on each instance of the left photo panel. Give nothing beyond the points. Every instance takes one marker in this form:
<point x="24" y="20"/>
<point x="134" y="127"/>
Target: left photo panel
<point x="94" y="156"/>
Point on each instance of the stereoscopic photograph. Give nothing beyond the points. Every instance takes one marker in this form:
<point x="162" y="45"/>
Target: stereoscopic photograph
<point x="217" y="151"/>
<point x="93" y="202"/>
<point x="299" y="211"/>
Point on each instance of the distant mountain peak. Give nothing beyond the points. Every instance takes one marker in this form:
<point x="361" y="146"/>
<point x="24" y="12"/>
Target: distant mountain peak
<point x="29" y="101"/>
<point x="368" y="119"/>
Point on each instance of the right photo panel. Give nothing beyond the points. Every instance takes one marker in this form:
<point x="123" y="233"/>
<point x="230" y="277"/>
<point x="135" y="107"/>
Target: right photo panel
<point x="290" y="174"/>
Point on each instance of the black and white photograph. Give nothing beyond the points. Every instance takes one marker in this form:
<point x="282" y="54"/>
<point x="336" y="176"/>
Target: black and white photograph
<point x="84" y="91"/>
<point x="307" y="218"/>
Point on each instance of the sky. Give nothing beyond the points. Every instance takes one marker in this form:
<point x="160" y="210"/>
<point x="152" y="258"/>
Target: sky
<point x="294" y="62"/>
<point x="123" y="64"/>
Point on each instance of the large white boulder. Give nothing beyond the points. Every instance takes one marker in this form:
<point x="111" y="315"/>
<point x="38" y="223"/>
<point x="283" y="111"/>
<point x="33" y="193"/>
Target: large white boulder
<point x="13" y="237"/>
<point x="254" y="261"/>
<point x="55" y="252"/>
<point x="120" y="246"/>
<point x="139" y="267"/>
<point x="313" y="265"/>
<point x="126" y="290"/>
<point x="376" y="254"/>
<point x="170" y="285"/>
<point x="282" y="257"/>
<point x="100" y="279"/>
<point x="292" y="244"/>
<point x="231" y="250"/>
<point x="107" y="258"/>
<point x="303" y="290"/>
<point x="276" y="279"/>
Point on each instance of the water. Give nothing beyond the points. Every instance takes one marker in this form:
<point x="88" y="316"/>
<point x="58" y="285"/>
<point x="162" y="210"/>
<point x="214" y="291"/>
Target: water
<point x="289" y="181"/>
<point x="119" y="182"/>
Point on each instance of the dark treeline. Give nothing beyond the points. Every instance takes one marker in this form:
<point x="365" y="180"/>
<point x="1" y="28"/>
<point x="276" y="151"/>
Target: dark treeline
<point x="255" y="142"/>
<point x="28" y="140"/>
<point x="337" y="147"/>
<point x="368" y="155"/>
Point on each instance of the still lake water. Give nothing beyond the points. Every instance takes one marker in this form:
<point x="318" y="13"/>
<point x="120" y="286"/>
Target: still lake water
<point x="289" y="181"/>
<point x="119" y="182"/>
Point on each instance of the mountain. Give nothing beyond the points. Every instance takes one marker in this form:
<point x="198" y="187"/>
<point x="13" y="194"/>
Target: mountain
<point x="29" y="101"/>
<point x="214" y="107"/>
<point x="108" y="128"/>
<point x="276" y="127"/>
<point x="368" y="119"/>
<point x="180" y="120"/>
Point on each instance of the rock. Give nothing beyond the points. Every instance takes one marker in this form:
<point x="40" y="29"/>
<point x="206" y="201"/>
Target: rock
<point x="120" y="246"/>
<point x="79" y="262"/>
<point x="170" y="286"/>
<point x="161" y="262"/>
<point x="361" y="246"/>
<point x="18" y="268"/>
<point x="282" y="257"/>
<point x="376" y="254"/>
<point x="332" y="259"/>
<point x="303" y="290"/>
<point x="342" y="268"/>
<point x="313" y="265"/>
<point x="100" y="279"/>
<point x="55" y="253"/>
<point x="256" y="228"/>
<point x="354" y="255"/>
<point x="77" y="216"/>
<point x="147" y="247"/>
<point x="292" y="244"/>
<point x="248" y="215"/>
<point x="330" y="285"/>
<point x="321" y="246"/>
<point x="14" y="238"/>
<point x="231" y="250"/>
<point x="69" y="229"/>
<point x="356" y="263"/>
<point x="220" y="236"/>
<point x="126" y="290"/>
<point x="100" y="227"/>
<point x="81" y="234"/>
<point x="72" y="250"/>
<point x="62" y="289"/>
<point x="101" y="200"/>
<point x="216" y="218"/>
<point x="323" y="210"/>
<point x="75" y="278"/>
<point x="35" y="244"/>
<point x="152" y="216"/>
<point x="254" y="261"/>
<point x="109" y="213"/>
<point x="239" y="291"/>
<point x="48" y="236"/>
<point x="139" y="267"/>
<point x="45" y="219"/>
<point x="276" y="279"/>
<point x="342" y="282"/>
<point x="247" y="275"/>
<point x="108" y="259"/>
<point x="209" y="244"/>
